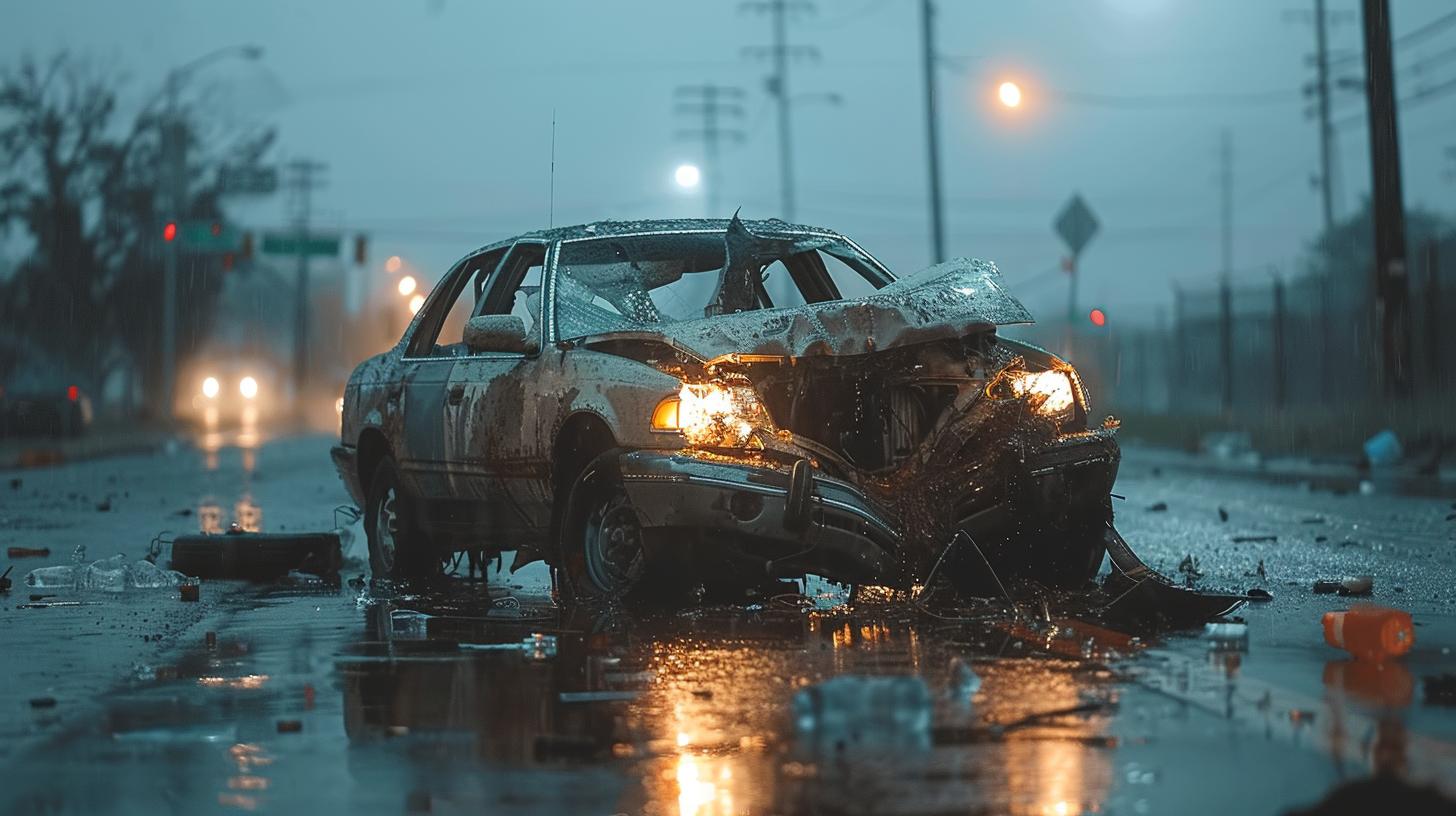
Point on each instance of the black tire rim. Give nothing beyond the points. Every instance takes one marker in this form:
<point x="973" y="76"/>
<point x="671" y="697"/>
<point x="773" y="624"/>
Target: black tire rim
<point x="612" y="546"/>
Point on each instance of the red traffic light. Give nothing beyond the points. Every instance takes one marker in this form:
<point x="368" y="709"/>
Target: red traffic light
<point x="1098" y="317"/>
<point x="73" y="393"/>
<point x="169" y="232"/>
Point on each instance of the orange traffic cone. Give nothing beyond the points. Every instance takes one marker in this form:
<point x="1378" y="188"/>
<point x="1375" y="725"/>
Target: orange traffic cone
<point x="1370" y="632"/>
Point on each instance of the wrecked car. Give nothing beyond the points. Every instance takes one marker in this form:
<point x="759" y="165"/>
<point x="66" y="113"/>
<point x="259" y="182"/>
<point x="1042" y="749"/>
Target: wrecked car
<point x="653" y="405"/>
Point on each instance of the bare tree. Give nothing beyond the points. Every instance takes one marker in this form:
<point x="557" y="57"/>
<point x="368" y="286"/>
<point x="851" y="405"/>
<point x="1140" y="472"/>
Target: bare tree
<point x="84" y="189"/>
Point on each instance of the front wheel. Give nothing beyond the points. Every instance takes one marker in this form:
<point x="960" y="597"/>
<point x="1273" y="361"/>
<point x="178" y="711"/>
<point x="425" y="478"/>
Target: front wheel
<point x="397" y="548"/>
<point x="606" y="553"/>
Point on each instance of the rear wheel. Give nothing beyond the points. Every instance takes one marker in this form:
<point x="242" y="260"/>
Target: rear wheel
<point x="398" y="549"/>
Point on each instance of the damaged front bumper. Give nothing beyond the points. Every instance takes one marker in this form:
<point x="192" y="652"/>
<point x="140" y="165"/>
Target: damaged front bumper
<point x="783" y="513"/>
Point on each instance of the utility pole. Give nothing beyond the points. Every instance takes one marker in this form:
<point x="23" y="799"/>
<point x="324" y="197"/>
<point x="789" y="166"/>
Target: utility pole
<point x="780" y="52"/>
<point x="932" y="134"/>
<point x="1225" y="293"/>
<point x="712" y="103"/>
<point x="1392" y="291"/>
<point x="1280" y="386"/>
<point x="303" y="177"/>
<point x="1322" y="88"/>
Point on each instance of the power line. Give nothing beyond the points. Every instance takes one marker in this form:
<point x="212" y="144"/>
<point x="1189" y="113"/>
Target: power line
<point x="1180" y="99"/>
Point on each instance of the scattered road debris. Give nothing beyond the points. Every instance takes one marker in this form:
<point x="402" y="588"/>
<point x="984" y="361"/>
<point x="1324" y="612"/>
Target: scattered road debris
<point x="1158" y="507"/>
<point x="1260" y="595"/>
<point x="290" y="726"/>
<point x="1227" y="636"/>
<point x="1188" y="568"/>
<point x="1383" y="449"/>
<point x="114" y="574"/>
<point x="190" y="592"/>
<point x="1223" y="514"/>
<point x="29" y="552"/>
<point x="1357" y="586"/>
<point x="1370" y="632"/>
<point x="1254" y="539"/>
<point x="257" y="556"/>
<point x="5" y="579"/>
<point x="42" y="702"/>
<point x="1312" y="520"/>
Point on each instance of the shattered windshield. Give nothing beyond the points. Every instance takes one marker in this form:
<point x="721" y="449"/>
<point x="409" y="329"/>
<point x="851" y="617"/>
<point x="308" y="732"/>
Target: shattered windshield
<point x="641" y="282"/>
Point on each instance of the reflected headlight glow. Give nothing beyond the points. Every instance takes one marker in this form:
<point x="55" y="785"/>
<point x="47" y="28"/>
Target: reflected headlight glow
<point x="210" y="387"/>
<point x="248" y="387"/>
<point x="713" y="415"/>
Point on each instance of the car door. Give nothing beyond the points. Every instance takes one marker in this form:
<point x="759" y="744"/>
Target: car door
<point x="423" y="387"/>
<point x="488" y="403"/>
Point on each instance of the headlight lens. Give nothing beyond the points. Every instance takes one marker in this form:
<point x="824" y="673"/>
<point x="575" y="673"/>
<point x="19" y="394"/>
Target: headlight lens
<point x="713" y="414"/>
<point x="1051" y="393"/>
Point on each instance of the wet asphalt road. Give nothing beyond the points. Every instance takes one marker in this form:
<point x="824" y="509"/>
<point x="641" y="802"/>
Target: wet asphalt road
<point x="318" y="699"/>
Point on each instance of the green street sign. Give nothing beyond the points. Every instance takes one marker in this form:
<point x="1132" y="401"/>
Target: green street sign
<point x="210" y="236"/>
<point x="289" y="243"/>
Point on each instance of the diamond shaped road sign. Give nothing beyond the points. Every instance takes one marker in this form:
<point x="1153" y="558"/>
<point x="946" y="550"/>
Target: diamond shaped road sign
<point x="1076" y="224"/>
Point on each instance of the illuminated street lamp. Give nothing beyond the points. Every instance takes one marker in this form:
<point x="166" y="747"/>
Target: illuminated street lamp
<point x="415" y="303"/>
<point x="393" y="264"/>
<point x="687" y="176"/>
<point x="407" y="285"/>
<point x="1009" y="93"/>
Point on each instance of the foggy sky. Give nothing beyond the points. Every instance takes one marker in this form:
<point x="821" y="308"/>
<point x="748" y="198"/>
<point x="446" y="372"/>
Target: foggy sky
<point x="435" y="119"/>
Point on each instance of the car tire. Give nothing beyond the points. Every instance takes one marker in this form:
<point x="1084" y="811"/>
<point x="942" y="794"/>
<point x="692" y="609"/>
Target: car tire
<point x="606" y="555"/>
<point x="398" y="549"/>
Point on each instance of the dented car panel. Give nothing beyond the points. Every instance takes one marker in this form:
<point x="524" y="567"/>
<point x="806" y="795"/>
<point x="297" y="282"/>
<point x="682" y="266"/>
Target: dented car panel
<point x="847" y="436"/>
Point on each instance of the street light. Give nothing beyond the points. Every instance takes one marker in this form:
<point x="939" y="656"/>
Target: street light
<point x="393" y="264"/>
<point x="415" y="303"/>
<point x="687" y="176"/>
<point x="407" y="285"/>
<point x="1009" y="93"/>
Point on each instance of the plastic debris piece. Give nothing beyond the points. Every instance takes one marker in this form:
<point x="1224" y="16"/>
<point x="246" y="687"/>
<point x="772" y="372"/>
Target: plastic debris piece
<point x="1383" y="449"/>
<point x="854" y="712"/>
<point x="114" y="574"/>
<point x="408" y="624"/>
<point x="1261" y="595"/>
<point x="1227" y="636"/>
<point x="29" y="552"/>
<point x="290" y="726"/>
<point x="190" y="591"/>
<point x="1223" y="514"/>
<point x="1254" y="539"/>
<point x="1370" y="632"/>
<point x="1158" y="507"/>
<point x="1358" y="586"/>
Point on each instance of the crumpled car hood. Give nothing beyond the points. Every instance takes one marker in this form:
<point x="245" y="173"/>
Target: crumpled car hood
<point x="950" y="299"/>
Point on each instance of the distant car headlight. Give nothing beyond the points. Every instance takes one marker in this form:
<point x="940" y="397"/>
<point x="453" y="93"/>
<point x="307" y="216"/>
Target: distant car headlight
<point x="713" y="414"/>
<point x="210" y="388"/>
<point x="1051" y="393"/>
<point x="248" y="387"/>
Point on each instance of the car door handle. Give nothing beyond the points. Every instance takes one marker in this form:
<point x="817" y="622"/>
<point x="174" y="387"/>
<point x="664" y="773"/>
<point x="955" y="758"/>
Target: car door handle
<point x="457" y="393"/>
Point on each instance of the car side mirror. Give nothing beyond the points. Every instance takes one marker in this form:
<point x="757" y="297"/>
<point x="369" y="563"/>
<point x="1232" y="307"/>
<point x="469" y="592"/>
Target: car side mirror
<point x="495" y="333"/>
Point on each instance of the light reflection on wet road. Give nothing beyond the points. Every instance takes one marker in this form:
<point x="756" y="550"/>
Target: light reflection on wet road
<point x="692" y="713"/>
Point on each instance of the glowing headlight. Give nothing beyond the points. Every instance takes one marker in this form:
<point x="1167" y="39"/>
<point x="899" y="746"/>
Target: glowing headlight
<point x="248" y="387"/>
<point x="1051" y="393"/>
<point x="713" y="414"/>
<point x="210" y="387"/>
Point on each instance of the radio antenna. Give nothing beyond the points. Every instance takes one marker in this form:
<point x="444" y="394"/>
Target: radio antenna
<point x="551" y="205"/>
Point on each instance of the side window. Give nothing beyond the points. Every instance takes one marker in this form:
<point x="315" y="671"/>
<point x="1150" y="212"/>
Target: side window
<point x="780" y="287"/>
<point x="516" y="289"/>
<point x="847" y="279"/>
<point x="441" y="330"/>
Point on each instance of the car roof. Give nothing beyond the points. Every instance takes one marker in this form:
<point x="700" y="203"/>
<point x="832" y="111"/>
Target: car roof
<point x="598" y="229"/>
